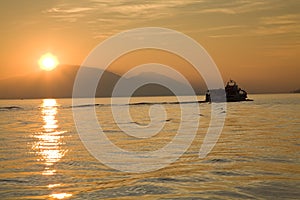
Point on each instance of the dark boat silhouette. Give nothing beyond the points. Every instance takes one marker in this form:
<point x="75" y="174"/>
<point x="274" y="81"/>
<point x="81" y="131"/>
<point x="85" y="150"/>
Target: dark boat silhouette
<point x="232" y="91"/>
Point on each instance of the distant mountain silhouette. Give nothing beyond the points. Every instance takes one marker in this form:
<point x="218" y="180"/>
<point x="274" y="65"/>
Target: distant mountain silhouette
<point x="296" y="91"/>
<point x="59" y="84"/>
<point x="56" y="83"/>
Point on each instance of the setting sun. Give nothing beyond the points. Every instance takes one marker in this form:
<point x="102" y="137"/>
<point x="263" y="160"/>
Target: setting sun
<point x="48" y="62"/>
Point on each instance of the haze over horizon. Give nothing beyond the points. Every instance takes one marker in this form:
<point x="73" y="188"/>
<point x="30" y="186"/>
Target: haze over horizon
<point x="255" y="42"/>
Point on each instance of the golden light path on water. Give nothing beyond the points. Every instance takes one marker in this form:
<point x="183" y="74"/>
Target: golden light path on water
<point x="49" y="145"/>
<point x="256" y="157"/>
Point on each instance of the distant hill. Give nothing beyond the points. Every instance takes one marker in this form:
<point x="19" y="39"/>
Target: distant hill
<point x="59" y="84"/>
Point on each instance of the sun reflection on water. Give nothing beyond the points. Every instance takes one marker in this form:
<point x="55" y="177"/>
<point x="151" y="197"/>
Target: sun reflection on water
<point x="49" y="141"/>
<point x="60" y="195"/>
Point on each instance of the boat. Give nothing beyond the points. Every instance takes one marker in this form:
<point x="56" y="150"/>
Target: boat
<point x="233" y="93"/>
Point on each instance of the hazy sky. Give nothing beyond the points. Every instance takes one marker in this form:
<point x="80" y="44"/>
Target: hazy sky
<point x="255" y="42"/>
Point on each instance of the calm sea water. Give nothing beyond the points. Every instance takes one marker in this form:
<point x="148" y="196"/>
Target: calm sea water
<point x="256" y="157"/>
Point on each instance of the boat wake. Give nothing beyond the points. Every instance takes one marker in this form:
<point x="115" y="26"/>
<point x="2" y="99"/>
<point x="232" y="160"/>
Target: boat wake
<point x="136" y="104"/>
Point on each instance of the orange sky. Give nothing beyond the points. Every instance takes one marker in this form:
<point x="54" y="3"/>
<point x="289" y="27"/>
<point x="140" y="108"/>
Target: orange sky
<point x="255" y="42"/>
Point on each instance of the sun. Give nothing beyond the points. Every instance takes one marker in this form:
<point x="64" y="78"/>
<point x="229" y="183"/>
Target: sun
<point x="48" y="62"/>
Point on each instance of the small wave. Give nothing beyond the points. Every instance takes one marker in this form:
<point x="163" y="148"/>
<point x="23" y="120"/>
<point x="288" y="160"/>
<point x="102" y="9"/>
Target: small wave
<point x="13" y="180"/>
<point x="128" y="191"/>
<point x="84" y="105"/>
<point x="138" y="123"/>
<point x="226" y="173"/>
<point x="175" y="180"/>
<point x="145" y="124"/>
<point x="219" y="160"/>
<point x="10" y="108"/>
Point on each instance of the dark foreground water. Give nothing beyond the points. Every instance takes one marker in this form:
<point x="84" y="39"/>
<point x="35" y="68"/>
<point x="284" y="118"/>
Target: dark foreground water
<point x="256" y="157"/>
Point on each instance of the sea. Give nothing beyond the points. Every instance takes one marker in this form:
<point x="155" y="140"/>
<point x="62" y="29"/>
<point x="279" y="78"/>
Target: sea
<point x="257" y="154"/>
